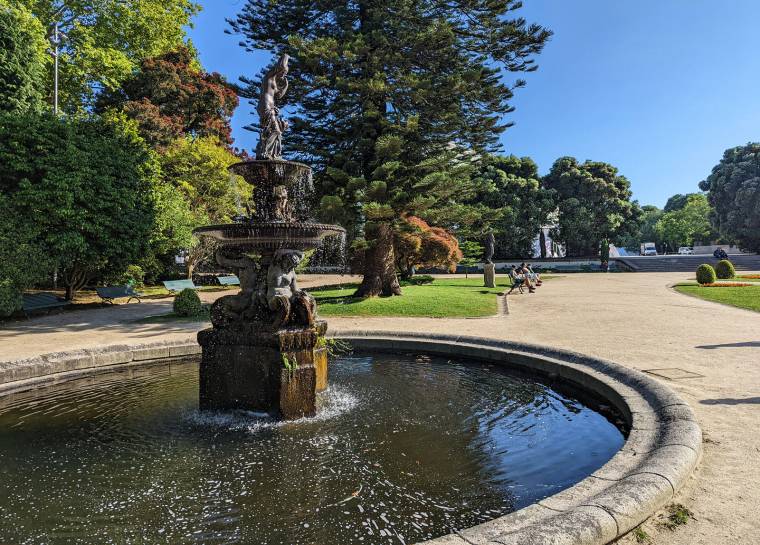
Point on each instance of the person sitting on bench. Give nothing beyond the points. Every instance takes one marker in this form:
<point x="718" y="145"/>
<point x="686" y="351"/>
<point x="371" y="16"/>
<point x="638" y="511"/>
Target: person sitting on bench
<point x="534" y="277"/>
<point x="523" y="272"/>
<point x="518" y="279"/>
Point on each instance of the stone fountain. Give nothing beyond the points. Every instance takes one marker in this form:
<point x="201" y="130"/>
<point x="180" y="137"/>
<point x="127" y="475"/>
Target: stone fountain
<point x="266" y="349"/>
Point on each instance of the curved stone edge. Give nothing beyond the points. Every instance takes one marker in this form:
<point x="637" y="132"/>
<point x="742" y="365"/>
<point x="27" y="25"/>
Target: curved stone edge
<point x="27" y="373"/>
<point x="663" y="447"/>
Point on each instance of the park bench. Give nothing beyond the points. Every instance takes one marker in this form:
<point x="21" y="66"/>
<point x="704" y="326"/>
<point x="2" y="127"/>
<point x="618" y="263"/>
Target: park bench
<point x="230" y="280"/>
<point x="109" y="293"/>
<point x="179" y="285"/>
<point x="33" y="302"/>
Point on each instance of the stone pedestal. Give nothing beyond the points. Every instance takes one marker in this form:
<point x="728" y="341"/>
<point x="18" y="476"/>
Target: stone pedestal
<point x="258" y="370"/>
<point x="489" y="275"/>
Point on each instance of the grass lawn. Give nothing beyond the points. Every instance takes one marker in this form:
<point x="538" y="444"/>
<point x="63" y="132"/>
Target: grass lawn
<point x="443" y="298"/>
<point x="747" y="297"/>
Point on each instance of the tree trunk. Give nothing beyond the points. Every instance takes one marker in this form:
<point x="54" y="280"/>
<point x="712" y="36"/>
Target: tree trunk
<point x="380" y="266"/>
<point x="74" y="281"/>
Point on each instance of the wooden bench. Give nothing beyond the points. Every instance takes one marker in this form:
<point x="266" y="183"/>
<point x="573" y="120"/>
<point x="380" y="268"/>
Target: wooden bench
<point x="179" y="285"/>
<point x="109" y="293"/>
<point x="42" y="301"/>
<point x="230" y="280"/>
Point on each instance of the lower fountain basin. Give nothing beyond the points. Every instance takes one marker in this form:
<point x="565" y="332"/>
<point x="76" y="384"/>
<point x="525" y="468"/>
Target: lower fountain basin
<point x="270" y="235"/>
<point x="663" y="446"/>
<point x="404" y="448"/>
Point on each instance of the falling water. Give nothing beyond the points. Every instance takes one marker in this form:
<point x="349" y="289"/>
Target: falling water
<point x="330" y="257"/>
<point x="236" y="192"/>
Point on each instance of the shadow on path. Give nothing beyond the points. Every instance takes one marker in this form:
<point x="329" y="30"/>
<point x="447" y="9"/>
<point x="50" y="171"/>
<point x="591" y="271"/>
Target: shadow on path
<point x="732" y="401"/>
<point x="748" y="344"/>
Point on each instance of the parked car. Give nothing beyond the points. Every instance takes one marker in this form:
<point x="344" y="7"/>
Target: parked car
<point x="686" y="250"/>
<point x="648" y="248"/>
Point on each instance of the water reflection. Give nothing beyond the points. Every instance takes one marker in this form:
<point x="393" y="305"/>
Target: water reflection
<point x="403" y="449"/>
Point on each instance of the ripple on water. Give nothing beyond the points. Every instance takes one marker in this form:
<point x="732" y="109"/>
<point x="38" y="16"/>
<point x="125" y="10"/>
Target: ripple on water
<point x="402" y="449"/>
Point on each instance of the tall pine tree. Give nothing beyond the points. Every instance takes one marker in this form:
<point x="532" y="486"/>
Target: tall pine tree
<point x="384" y="94"/>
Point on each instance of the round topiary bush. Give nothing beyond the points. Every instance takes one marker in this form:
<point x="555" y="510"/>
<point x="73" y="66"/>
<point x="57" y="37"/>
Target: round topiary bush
<point x="187" y="303"/>
<point x="725" y="269"/>
<point x="706" y="274"/>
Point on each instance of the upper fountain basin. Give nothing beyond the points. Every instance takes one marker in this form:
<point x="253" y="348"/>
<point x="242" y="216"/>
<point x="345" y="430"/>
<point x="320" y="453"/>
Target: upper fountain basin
<point x="255" y="235"/>
<point x="266" y="175"/>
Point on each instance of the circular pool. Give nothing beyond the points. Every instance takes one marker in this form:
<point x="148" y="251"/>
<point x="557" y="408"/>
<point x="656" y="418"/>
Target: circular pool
<point x="404" y="448"/>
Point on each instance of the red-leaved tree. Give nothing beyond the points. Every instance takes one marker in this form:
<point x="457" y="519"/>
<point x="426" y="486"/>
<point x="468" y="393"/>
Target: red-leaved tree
<point x="419" y="244"/>
<point x="170" y="97"/>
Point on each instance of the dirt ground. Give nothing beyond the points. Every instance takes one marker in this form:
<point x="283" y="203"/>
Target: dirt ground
<point x="633" y="319"/>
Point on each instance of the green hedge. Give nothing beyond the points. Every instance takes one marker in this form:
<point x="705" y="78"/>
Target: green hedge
<point x="187" y="303"/>
<point x="706" y="274"/>
<point x="725" y="269"/>
<point x="417" y="280"/>
<point x="10" y="298"/>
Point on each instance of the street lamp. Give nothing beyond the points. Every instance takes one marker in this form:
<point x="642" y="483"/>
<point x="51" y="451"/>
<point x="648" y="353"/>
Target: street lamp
<point x="55" y="41"/>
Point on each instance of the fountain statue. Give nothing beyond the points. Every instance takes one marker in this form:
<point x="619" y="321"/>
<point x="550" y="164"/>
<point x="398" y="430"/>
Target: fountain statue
<point x="265" y="350"/>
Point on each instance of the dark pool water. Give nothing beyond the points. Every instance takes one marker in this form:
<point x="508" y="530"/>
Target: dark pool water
<point x="404" y="449"/>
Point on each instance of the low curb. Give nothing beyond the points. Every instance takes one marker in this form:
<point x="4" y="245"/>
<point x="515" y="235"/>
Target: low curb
<point x="663" y="447"/>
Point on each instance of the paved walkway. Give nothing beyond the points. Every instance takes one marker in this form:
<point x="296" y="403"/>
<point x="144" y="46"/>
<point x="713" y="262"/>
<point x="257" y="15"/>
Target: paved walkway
<point x="633" y="319"/>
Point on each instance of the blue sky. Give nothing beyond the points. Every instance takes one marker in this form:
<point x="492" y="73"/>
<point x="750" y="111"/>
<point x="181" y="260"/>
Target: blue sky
<point x="659" y="88"/>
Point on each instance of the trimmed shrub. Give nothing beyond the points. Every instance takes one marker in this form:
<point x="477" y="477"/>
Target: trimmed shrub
<point x="725" y="269"/>
<point x="706" y="274"/>
<point x="134" y="275"/>
<point x="418" y="280"/>
<point x="187" y="303"/>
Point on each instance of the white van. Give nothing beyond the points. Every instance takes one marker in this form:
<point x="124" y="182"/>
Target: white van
<point x="648" y="248"/>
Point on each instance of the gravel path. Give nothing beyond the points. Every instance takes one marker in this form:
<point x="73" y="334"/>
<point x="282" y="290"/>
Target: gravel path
<point x="633" y="319"/>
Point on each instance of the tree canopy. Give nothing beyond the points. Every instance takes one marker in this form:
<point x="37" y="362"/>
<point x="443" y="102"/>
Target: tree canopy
<point x="594" y="204"/>
<point x="517" y="203"/>
<point x="197" y="167"/>
<point x="733" y="190"/>
<point x="23" y="60"/>
<point x="171" y="98"/>
<point x="383" y="96"/>
<point x="106" y="40"/>
<point x="678" y="201"/>
<point x="83" y="186"/>
<point x="687" y="224"/>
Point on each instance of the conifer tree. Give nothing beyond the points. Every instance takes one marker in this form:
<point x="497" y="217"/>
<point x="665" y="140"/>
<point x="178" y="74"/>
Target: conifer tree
<point x="384" y="94"/>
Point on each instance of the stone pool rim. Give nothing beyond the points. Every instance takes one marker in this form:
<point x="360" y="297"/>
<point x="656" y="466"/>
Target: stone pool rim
<point x="663" y="446"/>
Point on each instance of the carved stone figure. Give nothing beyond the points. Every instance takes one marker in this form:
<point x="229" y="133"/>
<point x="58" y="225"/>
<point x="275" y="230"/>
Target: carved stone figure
<point x="282" y="209"/>
<point x="273" y="87"/>
<point x="283" y="296"/>
<point x="242" y="306"/>
<point x="490" y="245"/>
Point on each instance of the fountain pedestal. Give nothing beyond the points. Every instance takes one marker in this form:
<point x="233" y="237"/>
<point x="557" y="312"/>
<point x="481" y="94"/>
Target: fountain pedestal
<point x="275" y="371"/>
